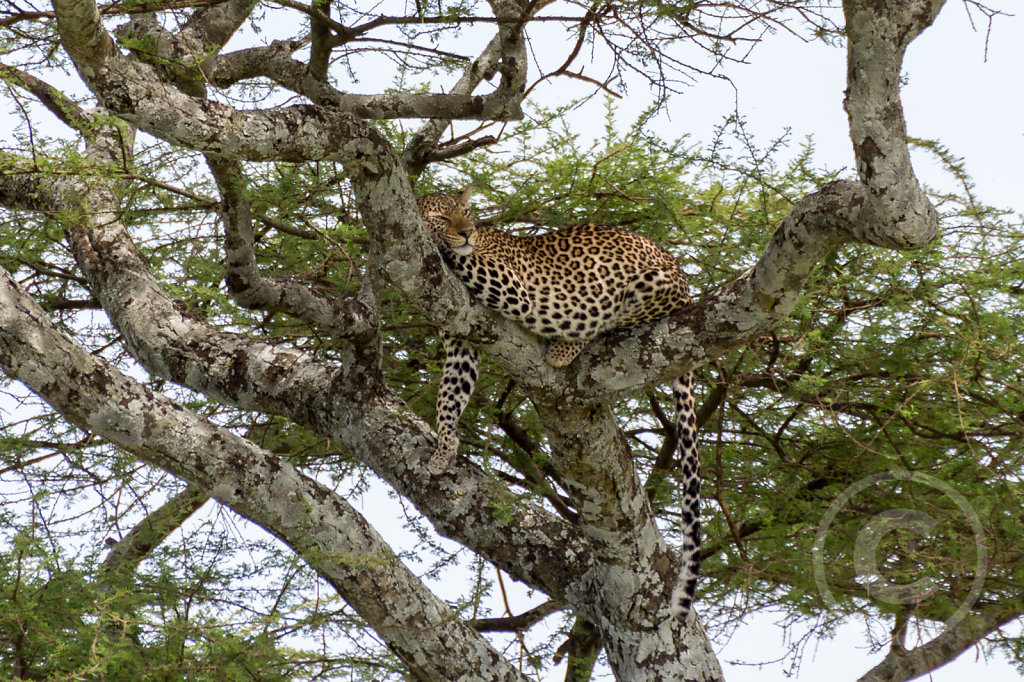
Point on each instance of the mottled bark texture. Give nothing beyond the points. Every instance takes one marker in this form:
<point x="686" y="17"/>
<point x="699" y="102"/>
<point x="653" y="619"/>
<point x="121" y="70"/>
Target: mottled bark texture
<point x="327" y="532"/>
<point x="609" y="564"/>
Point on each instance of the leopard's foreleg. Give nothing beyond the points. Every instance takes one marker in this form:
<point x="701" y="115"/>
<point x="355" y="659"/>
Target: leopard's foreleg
<point x="458" y="378"/>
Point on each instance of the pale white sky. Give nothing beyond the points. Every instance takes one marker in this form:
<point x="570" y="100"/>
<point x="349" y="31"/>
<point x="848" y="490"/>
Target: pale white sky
<point x="975" y="107"/>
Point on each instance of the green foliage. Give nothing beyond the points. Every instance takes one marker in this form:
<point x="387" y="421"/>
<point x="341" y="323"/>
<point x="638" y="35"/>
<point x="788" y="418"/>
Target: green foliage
<point x="892" y="363"/>
<point x="60" y="620"/>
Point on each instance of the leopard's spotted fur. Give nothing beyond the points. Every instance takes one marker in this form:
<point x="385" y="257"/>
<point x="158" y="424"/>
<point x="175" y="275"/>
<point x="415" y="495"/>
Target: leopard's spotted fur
<point x="568" y="286"/>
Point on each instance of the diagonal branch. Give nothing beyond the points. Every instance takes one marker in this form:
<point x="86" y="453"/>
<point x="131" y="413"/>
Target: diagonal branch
<point x="59" y="104"/>
<point x="596" y="468"/>
<point x="343" y="317"/>
<point x="124" y="557"/>
<point x="902" y="664"/>
<point x="82" y="33"/>
<point x="324" y="529"/>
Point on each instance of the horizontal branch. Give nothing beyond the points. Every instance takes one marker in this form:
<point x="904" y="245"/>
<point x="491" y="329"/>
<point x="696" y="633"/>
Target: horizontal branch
<point x="116" y="8"/>
<point x="349" y="32"/>
<point x="137" y="92"/>
<point x="524" y="621"/>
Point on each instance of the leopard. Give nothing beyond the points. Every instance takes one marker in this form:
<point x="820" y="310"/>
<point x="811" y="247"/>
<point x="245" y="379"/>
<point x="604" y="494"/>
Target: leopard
<point x="567" y="287"/>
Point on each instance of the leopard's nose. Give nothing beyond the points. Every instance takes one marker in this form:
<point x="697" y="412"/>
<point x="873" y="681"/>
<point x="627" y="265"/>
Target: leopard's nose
<point x="467" y="232"/>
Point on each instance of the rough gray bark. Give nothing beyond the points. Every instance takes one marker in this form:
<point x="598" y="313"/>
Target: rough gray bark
<point x="331" y="536"/>
<point x="613" y="567"/>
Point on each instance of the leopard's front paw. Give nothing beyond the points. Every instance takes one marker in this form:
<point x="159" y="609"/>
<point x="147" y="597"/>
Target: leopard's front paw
<point x="444" y="453"/>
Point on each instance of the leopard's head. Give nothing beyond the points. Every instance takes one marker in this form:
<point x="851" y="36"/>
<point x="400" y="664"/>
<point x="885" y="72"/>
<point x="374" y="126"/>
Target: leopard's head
<point x="447" y="218"/>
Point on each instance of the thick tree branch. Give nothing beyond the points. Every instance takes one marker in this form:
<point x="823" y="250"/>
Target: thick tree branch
<point x="271" y="61"/>
<point x="878" y="34"/>
<point x="328" y="533"/>
<point x="23" y="187"/>
<point x="82" y="33"/>
<point x="209" y="29"/>
<point x="596" y="468"/>
<point x="320" y="32"/>
<point x="274" y="62"/>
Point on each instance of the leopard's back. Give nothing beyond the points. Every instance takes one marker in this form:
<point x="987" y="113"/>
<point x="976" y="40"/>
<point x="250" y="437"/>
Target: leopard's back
<point x="579" y="281"/>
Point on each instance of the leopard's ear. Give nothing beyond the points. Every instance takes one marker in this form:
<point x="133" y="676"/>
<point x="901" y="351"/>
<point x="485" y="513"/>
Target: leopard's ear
<point x="462" y="198"/>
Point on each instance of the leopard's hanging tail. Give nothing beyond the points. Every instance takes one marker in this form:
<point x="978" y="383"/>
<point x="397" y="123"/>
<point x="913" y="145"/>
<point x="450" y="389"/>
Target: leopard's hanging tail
<point x="686" y="429"/>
